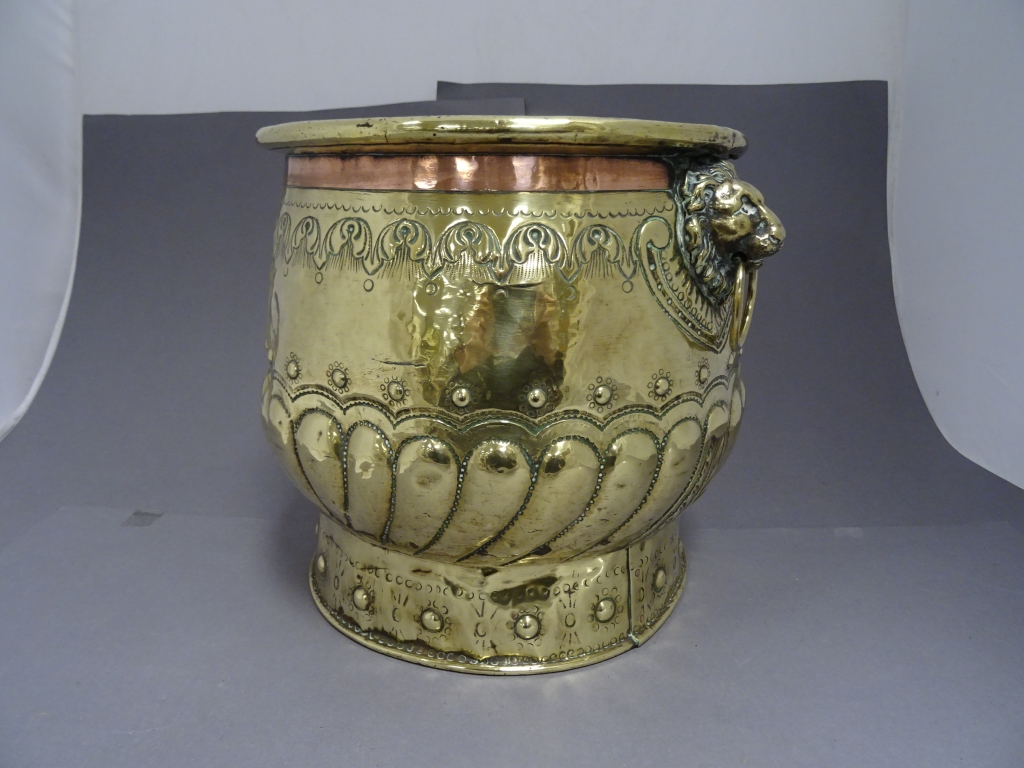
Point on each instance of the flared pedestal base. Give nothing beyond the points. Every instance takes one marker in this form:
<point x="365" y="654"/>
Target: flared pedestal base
<point x="518" y="619"/>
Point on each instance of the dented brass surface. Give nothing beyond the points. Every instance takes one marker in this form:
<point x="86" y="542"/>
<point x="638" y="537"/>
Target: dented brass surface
<point x="510" y="395"/>
<point x="520" y="620"/>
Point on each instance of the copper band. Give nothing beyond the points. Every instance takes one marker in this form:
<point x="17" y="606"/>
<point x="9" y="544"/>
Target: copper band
<point x="477" y="173"/>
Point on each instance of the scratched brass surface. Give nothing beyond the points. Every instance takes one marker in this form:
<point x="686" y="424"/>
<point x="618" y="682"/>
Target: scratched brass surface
<point x="510" y="395"/>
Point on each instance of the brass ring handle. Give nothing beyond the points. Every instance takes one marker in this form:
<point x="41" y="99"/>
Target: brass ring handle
<point x="744" y="295"/>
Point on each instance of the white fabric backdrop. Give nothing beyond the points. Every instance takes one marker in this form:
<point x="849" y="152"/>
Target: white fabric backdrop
<point x="957" y="197"/>
<point x="40" y="191"/>
<point x="954" y="70"/>
<point x="148" y="56"/>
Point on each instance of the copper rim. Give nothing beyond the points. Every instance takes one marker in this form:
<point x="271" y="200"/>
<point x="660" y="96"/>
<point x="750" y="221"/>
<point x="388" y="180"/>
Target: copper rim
<point x="478" y="173"/>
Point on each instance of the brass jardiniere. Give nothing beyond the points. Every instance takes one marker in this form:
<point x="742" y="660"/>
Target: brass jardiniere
<point x="504" y="355"/>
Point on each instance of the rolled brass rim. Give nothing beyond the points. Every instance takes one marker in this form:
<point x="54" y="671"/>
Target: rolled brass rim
<point x="504" y="135"/>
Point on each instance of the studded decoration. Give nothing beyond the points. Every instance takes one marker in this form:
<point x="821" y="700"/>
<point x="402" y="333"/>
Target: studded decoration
<point x="394" y="389"/>
<point x="337" y="377"/>
<point x="660" y="385"/>
<point x="603" y="394"/>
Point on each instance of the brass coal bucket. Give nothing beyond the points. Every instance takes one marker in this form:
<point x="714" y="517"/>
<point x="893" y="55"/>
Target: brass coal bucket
<point x="504" y="355"/>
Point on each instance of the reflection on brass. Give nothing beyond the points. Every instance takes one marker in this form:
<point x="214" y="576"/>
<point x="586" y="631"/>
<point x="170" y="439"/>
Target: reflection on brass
<point x="501" y="400"/>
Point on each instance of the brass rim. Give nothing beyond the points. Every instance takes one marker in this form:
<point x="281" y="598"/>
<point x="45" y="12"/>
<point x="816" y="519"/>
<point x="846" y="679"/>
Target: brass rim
<point x="496" y="134"/>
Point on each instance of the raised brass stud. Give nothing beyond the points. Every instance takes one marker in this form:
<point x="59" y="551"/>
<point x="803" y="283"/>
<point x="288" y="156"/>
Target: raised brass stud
<point x="604" y="611"/>
<point x="396" y="391"/>
<point x="536" y="398"/>
<point x="292" y="369"/>
<point x="321" y="565"/>
<point x="338" y="378"/>
<point x="603" y="395"/>
<point x="527" y="626"/>
<point x="361" y="598"/>
<point x="431" y="620"/>
<point x="662" y="386"/>
<point x="659" y="579"/>
<point x="461" y="397"/>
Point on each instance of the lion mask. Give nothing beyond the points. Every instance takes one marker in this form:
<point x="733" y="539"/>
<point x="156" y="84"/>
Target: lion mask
<point x="724" y="221"/>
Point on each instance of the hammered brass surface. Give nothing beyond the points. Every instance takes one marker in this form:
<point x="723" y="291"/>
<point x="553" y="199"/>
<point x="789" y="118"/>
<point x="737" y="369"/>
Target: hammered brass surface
<point x="501" y="388"/>
<point x="517" y="620"/>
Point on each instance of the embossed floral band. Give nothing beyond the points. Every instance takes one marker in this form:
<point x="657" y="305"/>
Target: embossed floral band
<point x="504" y="355"/>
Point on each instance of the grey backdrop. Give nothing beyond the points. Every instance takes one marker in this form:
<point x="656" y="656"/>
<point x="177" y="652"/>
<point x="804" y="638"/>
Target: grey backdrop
<point x="148" y="402"/>
<point x="855" y="591"/>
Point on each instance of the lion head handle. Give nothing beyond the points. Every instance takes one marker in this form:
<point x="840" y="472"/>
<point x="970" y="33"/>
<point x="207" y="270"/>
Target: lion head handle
<point x="723" y="221"/>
